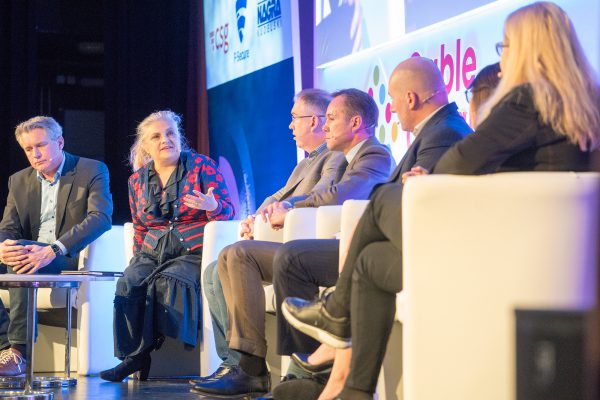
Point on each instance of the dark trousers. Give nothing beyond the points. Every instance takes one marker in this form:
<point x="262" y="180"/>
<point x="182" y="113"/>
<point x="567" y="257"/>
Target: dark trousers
<point x="299" y="268"/>
<point x="13" y="326"/>
<point x="156" y="298"/>
<point x="370" y="279"/>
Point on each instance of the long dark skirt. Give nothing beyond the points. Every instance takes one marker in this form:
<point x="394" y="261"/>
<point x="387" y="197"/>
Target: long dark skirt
<point x="158" y="295"/>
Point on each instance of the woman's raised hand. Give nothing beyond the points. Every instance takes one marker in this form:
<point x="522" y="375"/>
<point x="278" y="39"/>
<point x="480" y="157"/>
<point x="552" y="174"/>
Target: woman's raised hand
<point x="201" y="201"/>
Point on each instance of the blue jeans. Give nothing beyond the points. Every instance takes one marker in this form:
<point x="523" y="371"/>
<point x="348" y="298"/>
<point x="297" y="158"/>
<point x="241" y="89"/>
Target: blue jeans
<point x="218" y="313"/>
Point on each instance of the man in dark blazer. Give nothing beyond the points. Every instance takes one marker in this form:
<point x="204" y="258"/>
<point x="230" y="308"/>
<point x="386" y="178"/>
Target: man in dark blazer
<point x="421" y="103"/>
<point x="54" y="209"/>
<point x="243" y="267"/>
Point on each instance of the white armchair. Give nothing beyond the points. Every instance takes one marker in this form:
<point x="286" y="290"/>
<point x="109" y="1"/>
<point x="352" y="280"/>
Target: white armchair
<point x="217" y="235"/>
<point x="352" y="210"/>
<point x="477" y="248"/>
<point x="93" y="301"/>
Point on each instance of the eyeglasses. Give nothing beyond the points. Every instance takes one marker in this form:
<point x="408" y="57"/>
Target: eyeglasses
<point x="500" y="47"/>
<point x="469" y="92"/>
<point x="295" y="117"/>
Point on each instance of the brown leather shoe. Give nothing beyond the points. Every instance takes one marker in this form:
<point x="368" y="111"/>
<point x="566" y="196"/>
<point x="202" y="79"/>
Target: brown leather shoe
<point x="12" y="363"/>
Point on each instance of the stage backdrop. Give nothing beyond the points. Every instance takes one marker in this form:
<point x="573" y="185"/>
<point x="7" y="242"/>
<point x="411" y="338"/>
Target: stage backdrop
<point x="359" y="42"/>
<point x="250" y="81"/>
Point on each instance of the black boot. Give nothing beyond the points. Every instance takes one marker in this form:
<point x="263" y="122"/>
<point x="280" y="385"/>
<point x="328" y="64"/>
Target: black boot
<point x="128" y="366"/>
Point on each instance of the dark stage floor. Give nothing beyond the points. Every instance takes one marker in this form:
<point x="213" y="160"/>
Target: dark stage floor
<point x="94" y="388"/>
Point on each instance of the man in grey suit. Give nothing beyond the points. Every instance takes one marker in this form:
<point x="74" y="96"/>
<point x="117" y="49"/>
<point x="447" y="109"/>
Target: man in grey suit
<point x="54" y="209"/>
<point x="243" y="267"/>
<point x="321" y="169"/>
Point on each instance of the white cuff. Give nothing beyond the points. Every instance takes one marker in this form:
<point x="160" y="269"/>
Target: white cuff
<point x="62" y="247"/>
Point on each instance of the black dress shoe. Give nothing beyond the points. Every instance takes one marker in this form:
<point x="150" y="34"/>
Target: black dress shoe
<point x="129" y="365"/>
<point x="269" y="396"/>
<point x="353" y="394"/>
<point x="222" y="370"/>
<point x="235" y="383"/>
<point x="313" y="319"/>
<point x="298" y="389"/>
<point x="301" y="360"/>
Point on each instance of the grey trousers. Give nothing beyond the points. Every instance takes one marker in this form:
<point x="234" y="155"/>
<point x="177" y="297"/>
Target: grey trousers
<point x="242" y="268"/>
<point x="296" y="268"/>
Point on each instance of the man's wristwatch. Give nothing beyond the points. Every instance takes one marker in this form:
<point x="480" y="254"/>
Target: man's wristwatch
<point x="57" y="251"/>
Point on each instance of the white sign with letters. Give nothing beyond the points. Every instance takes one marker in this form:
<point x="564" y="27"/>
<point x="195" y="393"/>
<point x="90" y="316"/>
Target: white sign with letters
<point x="243" y="36"/>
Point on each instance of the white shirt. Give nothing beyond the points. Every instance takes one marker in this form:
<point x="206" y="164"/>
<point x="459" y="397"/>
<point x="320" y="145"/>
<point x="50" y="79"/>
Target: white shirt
<point x="421" y="124"/>
<point x="350" y="155"/>
<point x="47" y="233"/>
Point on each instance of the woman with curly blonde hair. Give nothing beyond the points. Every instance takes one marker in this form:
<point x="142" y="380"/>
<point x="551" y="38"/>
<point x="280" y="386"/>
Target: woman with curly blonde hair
<point x="173" y="193"/>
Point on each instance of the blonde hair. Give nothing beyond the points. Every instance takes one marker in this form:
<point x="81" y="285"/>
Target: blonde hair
<point x="49" y="124"/>
<point x="544" y="52"/>
<point x="138" y="157"/>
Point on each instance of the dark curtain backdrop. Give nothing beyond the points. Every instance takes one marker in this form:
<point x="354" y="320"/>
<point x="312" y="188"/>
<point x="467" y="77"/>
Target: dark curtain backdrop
<point x="153" y="59"/>
<point x="17" y="83"/>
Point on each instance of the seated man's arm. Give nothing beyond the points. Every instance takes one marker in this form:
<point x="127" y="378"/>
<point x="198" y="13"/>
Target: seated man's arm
<point x="98" y="214"/>
<point x="372" y="167"/>
<point x="10" y="226"/>
<point x="332" y="171"/>
<point x="11" y="253"/>
<point x="434" y="146"/>
<point x="247" y="225"/>
<point x="431" y="150"/>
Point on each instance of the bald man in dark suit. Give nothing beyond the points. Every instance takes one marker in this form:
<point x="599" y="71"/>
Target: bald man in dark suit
<point x="419" y="99"/>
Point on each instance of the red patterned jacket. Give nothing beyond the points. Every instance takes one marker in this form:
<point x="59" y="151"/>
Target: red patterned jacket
<point x="195" y="172"/>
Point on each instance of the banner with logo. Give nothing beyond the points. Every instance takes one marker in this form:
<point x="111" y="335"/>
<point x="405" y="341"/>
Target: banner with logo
<point x="243" y="36"/>
<point x="250" y="77"/>
<point x="461" y="46"/>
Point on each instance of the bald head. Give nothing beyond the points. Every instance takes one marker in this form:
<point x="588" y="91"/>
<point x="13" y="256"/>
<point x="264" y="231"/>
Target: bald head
<point x="417" y="89"/>
<point x="419" y="75"/>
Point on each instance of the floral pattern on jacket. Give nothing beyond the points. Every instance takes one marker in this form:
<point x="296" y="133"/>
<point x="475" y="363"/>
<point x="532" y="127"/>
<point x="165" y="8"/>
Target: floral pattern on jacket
<point x="196" y="172"/>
